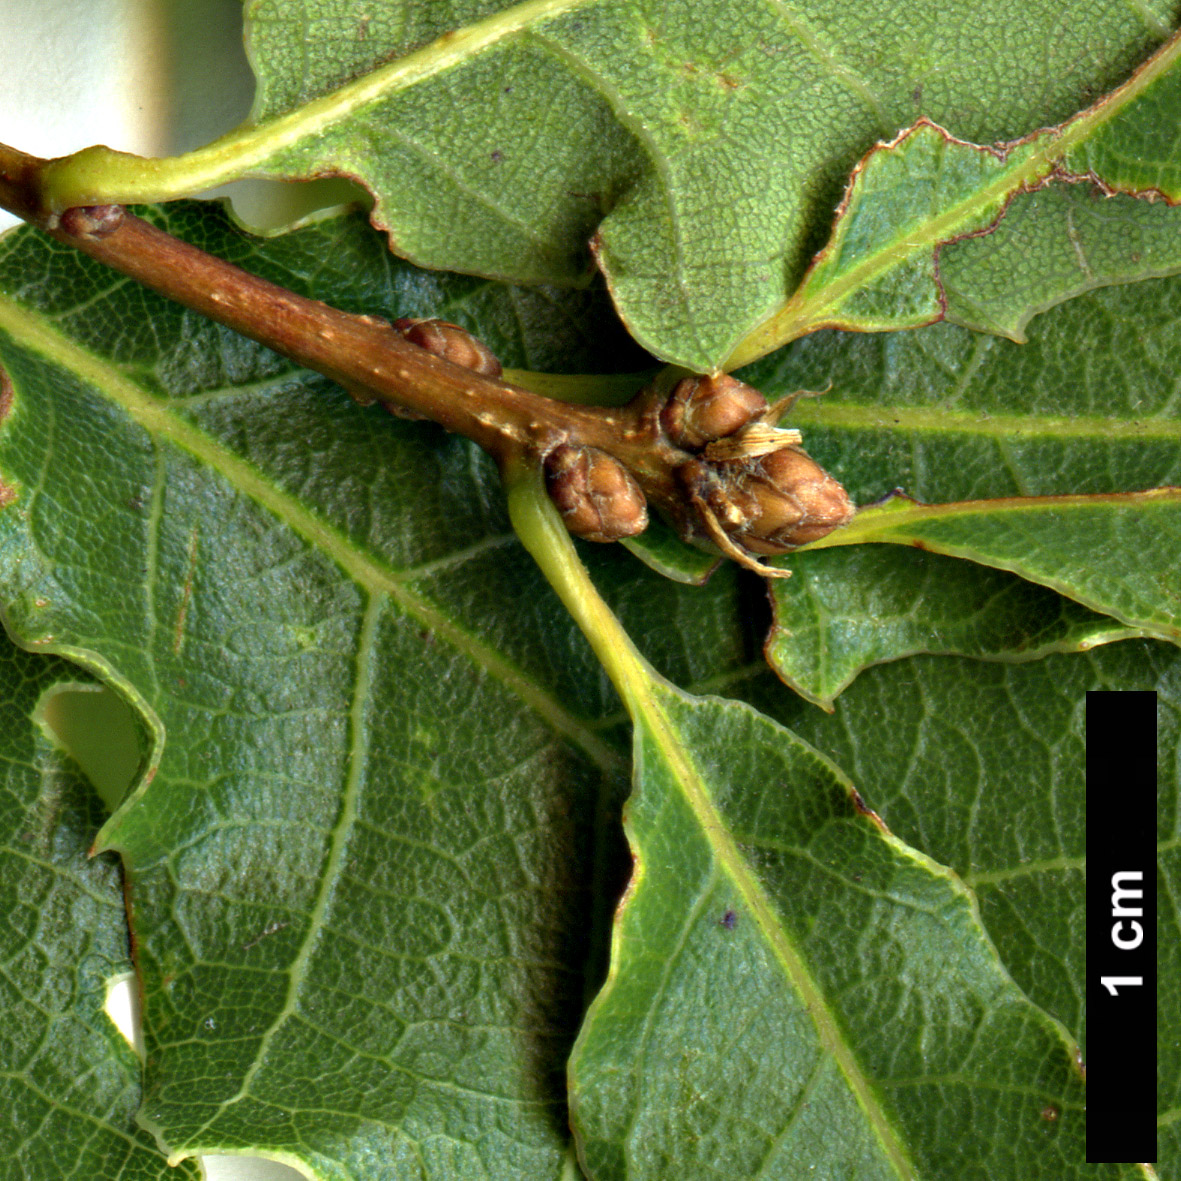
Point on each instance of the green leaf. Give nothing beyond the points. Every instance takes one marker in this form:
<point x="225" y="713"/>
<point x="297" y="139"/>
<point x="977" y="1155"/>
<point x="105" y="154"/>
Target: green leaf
<point x="70" y="1086"/>
<point x="910" y="198"/>
<point x="996" y="792"/>
<point x="736" y="1034"/>
<point x="301" y="500"/>
<point x="1052" y="245"/>
<point x="1081" y="546"/>
<point x="699" y="145"/>
<point x="358" y="937"/>
<point x="1135" y="149"/>
<point x="983" y="767"/>
<point x="906" y="198"/>
<point x="660" y="548"/>
<point x="1086" y="406"/>
<point x="840" y="613"/>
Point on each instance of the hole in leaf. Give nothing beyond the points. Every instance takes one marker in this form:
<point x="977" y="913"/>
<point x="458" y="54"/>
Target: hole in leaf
<point x="238" y="1168"/>
<point x="122" y="1007"/>
<point x="100" y="732"/>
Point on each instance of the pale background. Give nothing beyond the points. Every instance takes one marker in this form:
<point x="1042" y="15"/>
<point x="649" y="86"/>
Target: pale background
<point x="154" y="77"/>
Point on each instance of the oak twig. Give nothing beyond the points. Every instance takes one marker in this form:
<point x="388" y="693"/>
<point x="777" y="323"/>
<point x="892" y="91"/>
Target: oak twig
<point x="374" y="360"/>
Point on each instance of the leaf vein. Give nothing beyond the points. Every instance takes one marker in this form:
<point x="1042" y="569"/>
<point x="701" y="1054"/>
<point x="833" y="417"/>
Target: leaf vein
<point x="334" y="862"/>
<point x="159" y="418"/>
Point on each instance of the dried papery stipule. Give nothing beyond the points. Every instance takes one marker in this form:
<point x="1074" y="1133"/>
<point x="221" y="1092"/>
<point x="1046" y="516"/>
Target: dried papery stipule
<point x="755" y="439"/>
<point x="597" y="496"/>
<point x="701" y="409"/>
<point x="781" y="406"/>
<point x="451" y="342"/>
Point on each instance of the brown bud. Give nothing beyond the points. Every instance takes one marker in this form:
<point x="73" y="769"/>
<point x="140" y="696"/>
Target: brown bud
<point x="92" y="221"/>
<point x="766" y="504"/>
<point x="798" y="501"/>
<point x="701" y="409"/>
<point x="596" y="495"/>
<point x="452" y="343"/>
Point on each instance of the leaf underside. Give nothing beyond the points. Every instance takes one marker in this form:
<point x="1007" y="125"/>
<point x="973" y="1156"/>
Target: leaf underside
<point x="781" y="969"/>
<point x="70" y="1087"/>
<point x="703" y="143"/>
<point x="844" y="610"/>
<point x="373" y="861"/>
<point x="377" y="845"/>
<point x="357" y="934"/>
<point x="704" y="146"/>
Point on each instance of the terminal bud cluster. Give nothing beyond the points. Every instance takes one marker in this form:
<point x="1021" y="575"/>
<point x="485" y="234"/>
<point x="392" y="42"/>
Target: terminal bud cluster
<point x="755" y="490"/>
<point x="716" y="464"/>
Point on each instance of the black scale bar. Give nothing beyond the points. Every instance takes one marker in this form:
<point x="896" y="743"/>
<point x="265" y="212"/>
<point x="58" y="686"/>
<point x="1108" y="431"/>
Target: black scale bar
<point x="1121" y="927"/>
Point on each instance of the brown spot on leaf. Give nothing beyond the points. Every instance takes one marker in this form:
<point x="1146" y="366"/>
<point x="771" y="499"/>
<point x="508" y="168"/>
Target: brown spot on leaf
<point x="6" y="394"/>
<point x="865" y="810"/>
<point x="1050" y="1113"/>
<point x="7" y="494"/>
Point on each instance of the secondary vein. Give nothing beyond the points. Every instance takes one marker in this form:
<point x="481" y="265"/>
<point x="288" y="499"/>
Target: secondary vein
<point x="161" y="421"/>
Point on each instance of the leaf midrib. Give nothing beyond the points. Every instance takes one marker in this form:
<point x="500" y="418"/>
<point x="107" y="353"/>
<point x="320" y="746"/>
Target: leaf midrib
<point x="254" y="145"/>
<point x="342" y="831"/>
<point x="1024" y="163"/>
<point x="754" y="895"/>
<point x="897" y="522"/>
<point x="940" y="420"/>
<point x="159" y="420"/>
<point x="647" y="696"/>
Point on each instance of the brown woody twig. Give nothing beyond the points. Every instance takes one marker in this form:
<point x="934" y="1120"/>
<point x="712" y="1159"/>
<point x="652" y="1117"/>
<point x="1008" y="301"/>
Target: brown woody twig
<point x="603" y="463"/>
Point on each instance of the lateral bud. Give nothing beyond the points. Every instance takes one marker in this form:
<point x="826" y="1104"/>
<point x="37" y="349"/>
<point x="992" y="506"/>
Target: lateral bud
<point x="91" y="221"/>
<point x="597" y="496"/>
<point x="452" y="343"/>
<point x="702" y="409"/>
